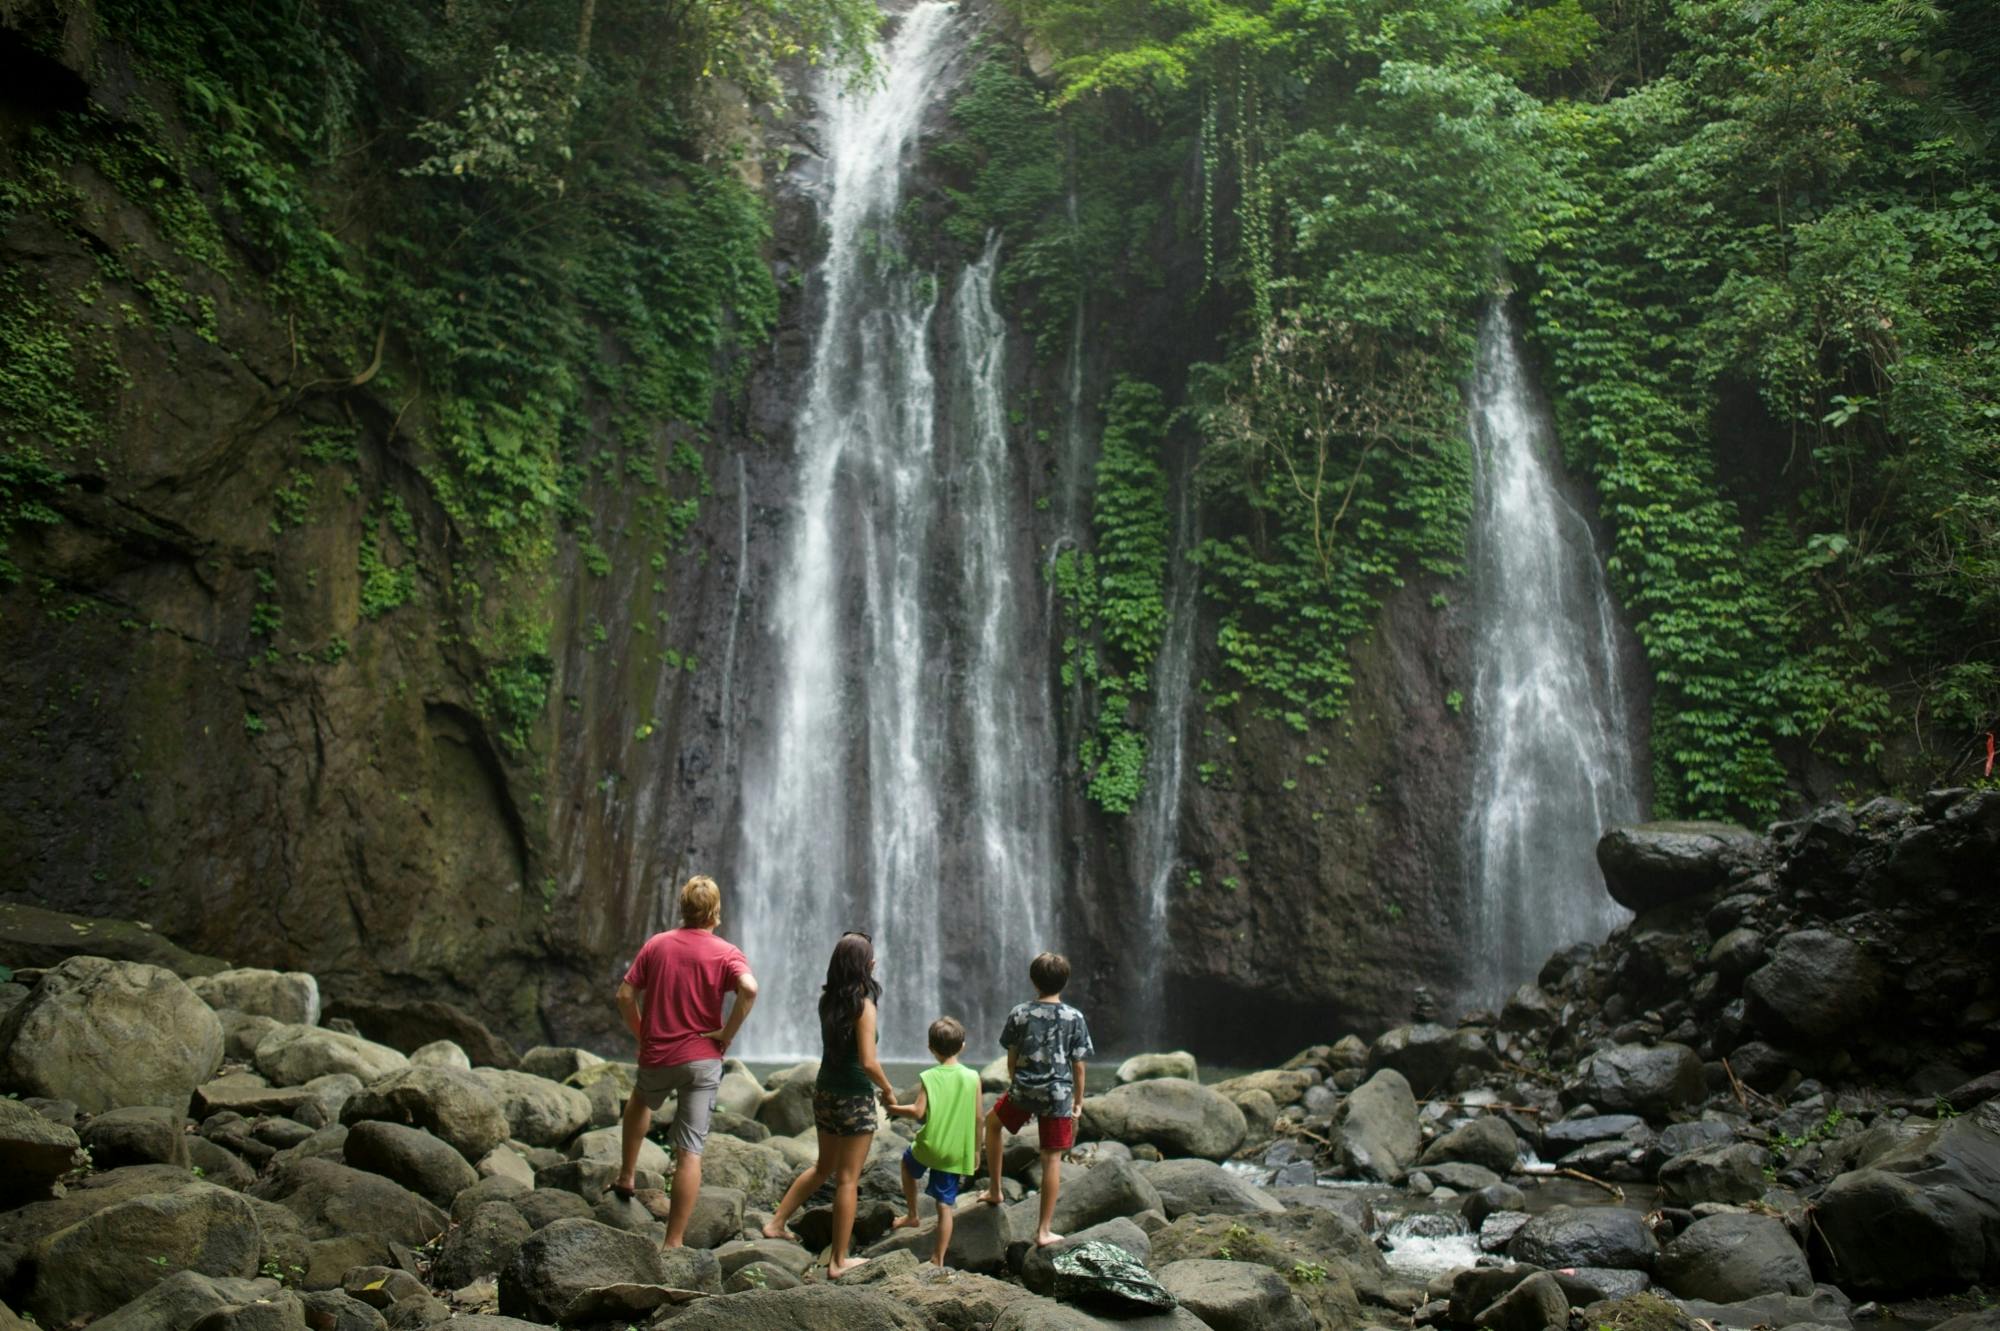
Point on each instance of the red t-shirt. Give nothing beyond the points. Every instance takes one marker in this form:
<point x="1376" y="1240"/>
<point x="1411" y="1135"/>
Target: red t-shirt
<point x="685" y="974"/>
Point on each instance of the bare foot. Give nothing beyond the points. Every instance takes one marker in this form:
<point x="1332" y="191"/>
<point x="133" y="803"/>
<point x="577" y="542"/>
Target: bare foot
<point x="906" y="1222"/>
<point x="835" y="1270"/>
<point x="776" y="1231"/>
<point x="993" y="1199"/>
<point x="1045" y="1238"/>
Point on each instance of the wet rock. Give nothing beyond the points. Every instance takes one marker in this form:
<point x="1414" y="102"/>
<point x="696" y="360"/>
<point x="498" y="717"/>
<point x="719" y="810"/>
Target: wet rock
<point x="1486" y="1141"/>
<point x="1591" y="1284"/>
<point x="1529" y="1008"/>
<point x="1461" y="1177"/>
<point x="1236" y="1296"/>
<point x="1927" y="1214"/>
<point x="1736" y="954"/>
<point x="1654" y="864"/>
<point x="34" y="1152"/>
<point x="1824" y="1306"/>
<point x="1537" y="1302"/>
<point x="137" y="1135"/>
<point x="1728" y="1172"/>
<point x="1431" y="1057"/>
<point x="1586" y="1236"/>
<point x="410" y="1156"/>
<point x="106" y="1034"/>
<point x="1565" y="1135"/>
<point x="1487" y="1200"/>
<point x="1723" y="1258"/>
<point x="1640" y="1079"/>
<point x="1816" y="984"/>
<point x="1178" y="1116"/>
<point x="295" y="1055"/>
<point x="454" y="1106"/>
<point x="1376" y="1128"/>
<point x="560" y="1261"/>
<point x="1147" y="1067"/>
<point x="286" y="997"/>
<point x="1681" y="1138"/>
<point x="1200" y="1187"/>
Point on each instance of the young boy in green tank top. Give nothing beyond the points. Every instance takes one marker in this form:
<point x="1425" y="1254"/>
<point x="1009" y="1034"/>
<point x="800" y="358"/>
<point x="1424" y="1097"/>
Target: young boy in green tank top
<point x="947" y="1146"/>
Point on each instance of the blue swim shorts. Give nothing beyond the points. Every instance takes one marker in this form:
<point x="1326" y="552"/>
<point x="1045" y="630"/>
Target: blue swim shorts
<point x="944" y="1187"/>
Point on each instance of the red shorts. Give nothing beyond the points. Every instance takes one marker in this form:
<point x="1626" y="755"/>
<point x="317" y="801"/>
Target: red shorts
<point x="1057" y="1134"/>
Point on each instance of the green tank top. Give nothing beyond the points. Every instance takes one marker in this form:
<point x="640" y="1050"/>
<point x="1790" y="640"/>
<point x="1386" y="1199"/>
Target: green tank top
<point x="949" y="1139"/>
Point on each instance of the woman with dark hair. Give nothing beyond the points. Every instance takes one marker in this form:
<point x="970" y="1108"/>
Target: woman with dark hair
<point x="843" y="1096"/>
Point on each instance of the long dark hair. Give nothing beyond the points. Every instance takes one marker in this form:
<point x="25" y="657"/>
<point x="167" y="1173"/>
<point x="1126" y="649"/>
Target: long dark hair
<point x="850" y="981"/>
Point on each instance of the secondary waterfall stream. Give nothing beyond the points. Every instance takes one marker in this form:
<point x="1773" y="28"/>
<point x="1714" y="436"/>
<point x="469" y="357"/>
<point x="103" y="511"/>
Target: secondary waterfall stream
<point x="901" y="785"/>
<point x="1552" y="757"/>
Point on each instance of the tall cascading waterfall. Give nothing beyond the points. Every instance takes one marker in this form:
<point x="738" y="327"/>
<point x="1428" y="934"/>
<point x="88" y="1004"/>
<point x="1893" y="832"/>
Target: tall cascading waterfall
<point x="1157" y="819"/>
<point x="897" y="787"/>
<point x="1554" y="765"/>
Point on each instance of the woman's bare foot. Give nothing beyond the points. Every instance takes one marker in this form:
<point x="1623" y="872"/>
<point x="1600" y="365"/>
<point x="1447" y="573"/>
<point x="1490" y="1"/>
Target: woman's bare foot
<point x="992" y="1199"/>
<point x="835" y="1270"/>
<point x="774" y="1230"/>
<point x="906" y="1222"/>
<point x="1045" y="1238"/>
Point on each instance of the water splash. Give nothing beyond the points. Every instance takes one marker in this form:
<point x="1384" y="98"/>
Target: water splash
<point x="1554" y="760"/>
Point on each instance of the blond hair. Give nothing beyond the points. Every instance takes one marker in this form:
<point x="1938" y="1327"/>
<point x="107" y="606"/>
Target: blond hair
<point x="701" y="903"/>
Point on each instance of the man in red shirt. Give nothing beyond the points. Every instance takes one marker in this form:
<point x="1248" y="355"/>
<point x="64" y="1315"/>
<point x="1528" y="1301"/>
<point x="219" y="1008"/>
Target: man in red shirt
<point x="672" y="999"/>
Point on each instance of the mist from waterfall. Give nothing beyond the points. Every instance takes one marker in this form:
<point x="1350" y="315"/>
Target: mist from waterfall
<point x="901" y="785"/>
<point x="1552" y="757"/>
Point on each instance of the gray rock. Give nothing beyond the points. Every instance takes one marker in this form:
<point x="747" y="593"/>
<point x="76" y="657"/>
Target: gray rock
<point x="182" y="1300"/>
<point x="1236" y="1296"/>
<point x="287" y="997"/>
<point x="816" y="1307"/>
<point x="410" y="1156"/>
<point x="332" y="1201"/>
<point x="1816" y="985"/>
<point x="787" y="1108"/>
<point x="561" y="1261"/>
<point x="1532" y="1305"/>
<point x="1640" y="1079"/>
<point x="1727" y="1172"/>
<point x="545" y="1206"/>
<point x="955" y="1300"/>
<point x="441" y="1054"/>
<point x="980" y="1237"/>
<point x="1432" y="1058"/>
<point x="1146" y="1067"/>
<point x="1586" y="1236"/>
<point x="219" y="1165"/>
<point x="482" y="1245"/>
<point x="555" y="1062"/>
<point x="1529" y="1008"/>
<point x="1485" y="1201"/>
<point x="1376" y="1128"/>
<point x="717" y="1218"/>
<point x="1926" y="1215"/>
<point x="763" y="1275"/>
<point x="1565" y="1135"/>
<point x="760" y="1172"/>
<point x="114" y="1255"/>
<point x="1201" y="1187"/>
<point x="1736" y="954"/>
<point x="453" y="1105"/>
<point x="106" y="1034"/>
<point x="34" y="1152"/>
<point x="410" y="1024"/>
<point x="1486" y="1141"/>
<point x="137" y="1135"/>
<point x="1176" y="1115"/>
<point x="1475" y="1289"/>
<point x="1105" y="1192"/>
<point x="1283" y="1242"/>
<point x="334" y="1310"/>
<point x="1653" y="864"/>
<point x="1723" y="1258"/>
<point x="1591" y="1284"/>
<point x="1461" y="1177"/>
<point x="242" y="1032"/>
<point x="1038" y="1271"/>
<point x="1824" y="1306"/>
<point x="1680" y="1138"/>
<point x="294" y="1055"/>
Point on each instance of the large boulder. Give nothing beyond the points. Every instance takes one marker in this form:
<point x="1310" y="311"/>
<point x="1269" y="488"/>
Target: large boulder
<point x="183" y="1299"/>
<point x="1376" y="1128"/>
<point x="1607" y="1236"/>
<point x="293" y="1055"/>
<point x="1345" y="1261"/>
<point x="1825" y="1306"/>
<point x="1538" y="1302"/>
<point x="116" y="1254"/>
<point x="1178" y="1116"/>
<point x="539" y="1112"/>
<point x="1431" y="1057"/>
<point x="980" y="1237"/>
<point x="1236" y="1296"/>
<point x="1040" y="1314"/>
<point x="334" y="1200"/>
<point x="1486" y="1141"/>
<point x="1653" y="864"/>
<point x="1640" y="1079"/>
<point x="35" y="936"/>
<point x="410" y="1025"/>
<point x="481" y="1246"/>
<point x="1201" y="1187"/>
<point x="452" y="1103"/>
<point x="287" y="997"/>
<point x="1038" y="1267"/>
<point x="816" y="1307"/>
<point x="1925" y="1215"/>
<point x="1816" y="984"/>
<point x="1147" y="1067"/>
<point x="1728" y="1257"/>
<point x="1730" y="1172"/>
<point x="136" y="1135"/>
<point x="34" y="1152"/>
<point x="558" y="1262"/>
<point x="104" y="1034"/>
<point x="760" y="1172"/>
<point x="1103" y="1192"/>
<point x="960" y="1301"/>
<point x="787" y="1109"/>
<point x="410" y="1156"/>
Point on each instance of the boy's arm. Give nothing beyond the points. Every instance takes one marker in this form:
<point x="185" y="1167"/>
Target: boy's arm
<point x="918" y="1108"/>
<point x="1078" y="1069"/>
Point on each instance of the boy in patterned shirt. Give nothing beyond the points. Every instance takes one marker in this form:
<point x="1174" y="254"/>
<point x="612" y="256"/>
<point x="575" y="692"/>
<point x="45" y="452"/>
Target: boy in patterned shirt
<point x="1047" y="1042"/>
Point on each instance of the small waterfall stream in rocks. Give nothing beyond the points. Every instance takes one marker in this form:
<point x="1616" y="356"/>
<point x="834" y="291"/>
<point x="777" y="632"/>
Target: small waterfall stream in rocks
<point x="1553" y="758"/>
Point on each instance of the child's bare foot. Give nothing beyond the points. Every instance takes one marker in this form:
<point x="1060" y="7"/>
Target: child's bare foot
<point x="993" y="1199"/>
<point x="906" y="1222"/>
<point x="836" y="1270"/>
<point x="1045" y="1238"/>
<point x="774" y="1230"/>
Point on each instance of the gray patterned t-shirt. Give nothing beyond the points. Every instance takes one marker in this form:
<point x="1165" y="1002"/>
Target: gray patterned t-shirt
<point x="1049" y="1037"/>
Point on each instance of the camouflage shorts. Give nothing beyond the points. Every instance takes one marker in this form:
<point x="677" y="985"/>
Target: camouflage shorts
<point x="844" y="1115"/>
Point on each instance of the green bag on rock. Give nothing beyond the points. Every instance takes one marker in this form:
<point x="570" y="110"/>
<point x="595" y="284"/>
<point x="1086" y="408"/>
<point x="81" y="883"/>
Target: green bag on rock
<point x="1105" y="1274"/>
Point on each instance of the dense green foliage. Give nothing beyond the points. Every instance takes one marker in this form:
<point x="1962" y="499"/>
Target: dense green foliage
<point x="1755" y="246"/>
<point x="516" y="226"/>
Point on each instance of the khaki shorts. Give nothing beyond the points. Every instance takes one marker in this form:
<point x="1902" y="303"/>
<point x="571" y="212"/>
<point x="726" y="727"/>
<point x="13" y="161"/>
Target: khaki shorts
<point x="695" y="1085"/>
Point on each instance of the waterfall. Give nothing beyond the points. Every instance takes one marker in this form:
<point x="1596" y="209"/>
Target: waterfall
<point x="1552" y="755"/>
<point x="1157" y="819"/>
<point x="897" y="788"/>
<point x="726" y="705"/>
